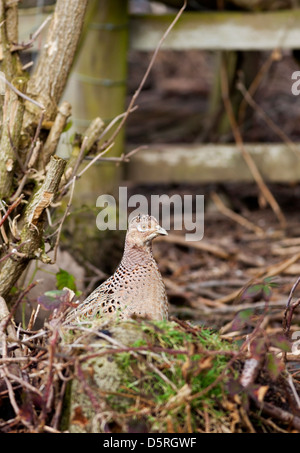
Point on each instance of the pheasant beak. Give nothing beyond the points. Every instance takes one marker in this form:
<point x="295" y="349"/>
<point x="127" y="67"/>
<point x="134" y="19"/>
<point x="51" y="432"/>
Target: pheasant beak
<point x="161" y="230"/>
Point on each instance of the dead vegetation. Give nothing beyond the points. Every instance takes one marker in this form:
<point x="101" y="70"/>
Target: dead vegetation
<point x="226" y="362"/>
<point x="142" y="376"/>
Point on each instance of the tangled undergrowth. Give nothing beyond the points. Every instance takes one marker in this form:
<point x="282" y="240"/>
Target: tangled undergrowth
<point x="156" y="376"/>
<point x="143" y="376"/>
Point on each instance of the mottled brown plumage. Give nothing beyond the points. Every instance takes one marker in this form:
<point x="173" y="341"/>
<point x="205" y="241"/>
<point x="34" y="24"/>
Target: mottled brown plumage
<point x="136" y="288"/>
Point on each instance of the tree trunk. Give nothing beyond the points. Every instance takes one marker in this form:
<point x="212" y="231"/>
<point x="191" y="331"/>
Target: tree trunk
<point x="50" y="76"/>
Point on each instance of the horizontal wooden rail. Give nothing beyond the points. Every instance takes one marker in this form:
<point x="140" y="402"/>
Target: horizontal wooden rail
<point x="213" y="163"/>
<point x="218" y="31"/>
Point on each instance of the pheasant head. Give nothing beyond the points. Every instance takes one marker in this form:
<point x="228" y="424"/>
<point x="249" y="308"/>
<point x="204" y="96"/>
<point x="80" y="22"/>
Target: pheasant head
<point x="142" y="230"/>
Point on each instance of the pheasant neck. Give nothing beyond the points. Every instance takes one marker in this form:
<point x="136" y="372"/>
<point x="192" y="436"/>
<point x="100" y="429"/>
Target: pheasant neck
<point x="134" y="254"/>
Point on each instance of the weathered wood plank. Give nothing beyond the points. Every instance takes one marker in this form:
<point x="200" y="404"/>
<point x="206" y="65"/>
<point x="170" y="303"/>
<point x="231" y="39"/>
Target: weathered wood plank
<point x="218" y="30"/>
<point x="213" y="163"/>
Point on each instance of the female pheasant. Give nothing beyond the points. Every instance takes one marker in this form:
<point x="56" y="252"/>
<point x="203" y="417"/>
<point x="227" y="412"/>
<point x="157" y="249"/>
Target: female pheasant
<point x="136" y="288"/>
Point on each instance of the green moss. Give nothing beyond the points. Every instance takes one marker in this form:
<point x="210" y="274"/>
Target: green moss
<point x="151" y="374"/>
<point x="160" y="375"/>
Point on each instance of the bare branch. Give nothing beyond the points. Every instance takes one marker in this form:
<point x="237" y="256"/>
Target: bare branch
<point x="67" y="210"/>
<point x="10" y="209"/>
<point x="28" y="44"/>
<point x="248" y="159"/>
<point x="56" y="130"/>
<point x="142" y="83"/>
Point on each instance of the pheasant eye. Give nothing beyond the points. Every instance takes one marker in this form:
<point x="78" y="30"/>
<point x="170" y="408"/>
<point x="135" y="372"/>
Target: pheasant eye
<point x="142" y="227"/>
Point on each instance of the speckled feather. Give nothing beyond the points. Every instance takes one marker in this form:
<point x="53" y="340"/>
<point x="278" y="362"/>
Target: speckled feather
<point x="136" y="288"/>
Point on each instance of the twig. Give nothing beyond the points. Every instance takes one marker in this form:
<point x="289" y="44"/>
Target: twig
<point x="20" y="186"/>
<point x="142" y="83"/>
<point x="19" y="93"/>
<point x="287" y="323"/>
<point x="4" y="314"/>
<point x="281" y="134"/>
<point x="288" y="315"/>
<point x="98" y="157"/>
<point x="292" y="292"/>
<point x="63" y="219"/>
<point x="49" y="384"/>
<point x="11" y="394"/>
<point x="149" y="364"/>
<point x="59" y="406"/>
<point x="13" y="251"/>
<point x="276" y="269"/>
<point x="112" y="123"/>
<point x="122" y="158"/>
<point x="87" y="388"/>
<point x="133" y="349"/>
<point x="255" y="84"/>
<point x="278" y="413"/>
<point x="270" y="271"/>
<point x="294" y="391"/>
<point x="234" y="216"/>
<point x="289" y="311"/>
<point x="91" y="163"/>
<point x="11" y="208"/>
<point x="232" y="309"/>
<point x="51" y="430"/>
<point x="282" y="251"/>
<point x="3" y="232"/>
<point x="16" y="304"/>
<point x="80" y="156"/>
<point x="269" y="422"/>
<point x="27" y="65"/>
<point x="216" y="381"/>
<point x="200" y="245"/>
<point x="24" y="383"/>
<point x="248" y="159"/>
<point x="23" y="46"/>
<point x="37" y="133"/>
<point x="50" y="145"/>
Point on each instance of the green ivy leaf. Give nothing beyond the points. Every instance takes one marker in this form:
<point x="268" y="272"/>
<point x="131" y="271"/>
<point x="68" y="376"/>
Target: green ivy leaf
<point x="68" y="126"/>
<point x="258" y="347"/>
<point x="274" y="365"/>
<point x="267" y="292"/>
<point x="65" y="280"/>
<point x="269" y="281"/>
<point x="13" y="290"/>
<point x="281" y="342"/>
<point x="252" y="291"/>
<point x="52" y="299"/>
<point x="242" y="318"/>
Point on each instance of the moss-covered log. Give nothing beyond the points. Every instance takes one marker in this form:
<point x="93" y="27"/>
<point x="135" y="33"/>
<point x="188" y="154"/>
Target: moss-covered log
<point x="140" y="375"/>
